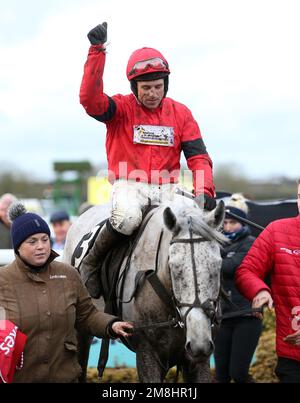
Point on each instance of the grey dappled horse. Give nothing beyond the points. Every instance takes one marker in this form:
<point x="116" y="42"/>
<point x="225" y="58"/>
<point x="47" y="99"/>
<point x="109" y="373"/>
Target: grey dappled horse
<point x="180" y="250"/>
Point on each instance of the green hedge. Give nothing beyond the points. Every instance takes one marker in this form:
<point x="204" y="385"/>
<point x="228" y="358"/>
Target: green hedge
<point x="263" y="368"/>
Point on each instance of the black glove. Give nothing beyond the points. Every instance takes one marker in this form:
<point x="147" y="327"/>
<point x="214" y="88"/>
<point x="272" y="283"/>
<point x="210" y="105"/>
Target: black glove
<point x="98" y="35"/>
<point x="209" y="202"/>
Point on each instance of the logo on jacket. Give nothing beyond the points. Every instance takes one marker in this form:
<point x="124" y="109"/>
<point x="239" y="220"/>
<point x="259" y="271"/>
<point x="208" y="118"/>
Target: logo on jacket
<point x="9" y="341"/>
<point x="291" y="251"/>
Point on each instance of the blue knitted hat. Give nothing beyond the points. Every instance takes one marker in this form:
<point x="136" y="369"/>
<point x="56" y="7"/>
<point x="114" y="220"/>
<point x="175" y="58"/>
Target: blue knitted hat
<point x="25" y="224"/>
<point x="237" y="211"/>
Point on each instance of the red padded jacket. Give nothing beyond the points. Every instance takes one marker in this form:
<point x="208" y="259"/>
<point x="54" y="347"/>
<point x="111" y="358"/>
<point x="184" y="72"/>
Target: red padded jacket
<point x="12" y="343"/>
<point x="276" y="251"/>
<point x="147" y="163"/>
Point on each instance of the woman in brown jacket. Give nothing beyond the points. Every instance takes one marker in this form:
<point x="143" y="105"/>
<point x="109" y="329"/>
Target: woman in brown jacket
<point x="48" y="302"/>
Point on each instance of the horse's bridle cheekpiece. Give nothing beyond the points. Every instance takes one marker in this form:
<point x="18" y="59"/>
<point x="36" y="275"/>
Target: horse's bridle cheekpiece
<point x="209" y="306"/>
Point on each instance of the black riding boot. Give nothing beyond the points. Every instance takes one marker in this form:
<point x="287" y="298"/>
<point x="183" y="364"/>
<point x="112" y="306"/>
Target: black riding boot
<point x="90" y="265"/>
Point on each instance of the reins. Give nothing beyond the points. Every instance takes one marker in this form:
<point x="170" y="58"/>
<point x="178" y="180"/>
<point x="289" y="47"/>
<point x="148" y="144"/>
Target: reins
<point x="209" y="306"/>
<point x="238" y="312"/>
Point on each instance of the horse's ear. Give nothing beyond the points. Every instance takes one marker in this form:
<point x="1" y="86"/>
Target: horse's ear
<point x="170" y="219"/>
<point x="215" y="217"/>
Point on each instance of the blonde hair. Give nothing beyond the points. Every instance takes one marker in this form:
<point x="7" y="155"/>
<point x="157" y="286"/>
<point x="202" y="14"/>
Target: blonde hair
<point x="237" y="200"/>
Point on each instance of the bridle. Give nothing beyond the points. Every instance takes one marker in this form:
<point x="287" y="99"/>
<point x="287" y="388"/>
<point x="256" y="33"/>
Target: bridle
<point x="209" y="306"/>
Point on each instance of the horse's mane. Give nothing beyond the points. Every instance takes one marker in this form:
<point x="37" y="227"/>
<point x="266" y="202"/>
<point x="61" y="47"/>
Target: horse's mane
<point x="189" y="215"/>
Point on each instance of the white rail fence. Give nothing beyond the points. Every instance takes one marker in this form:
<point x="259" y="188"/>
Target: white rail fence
<point x="8" y="255"/>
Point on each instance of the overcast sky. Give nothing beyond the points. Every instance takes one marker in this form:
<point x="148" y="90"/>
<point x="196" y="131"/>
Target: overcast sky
<point x="234" y="63"/>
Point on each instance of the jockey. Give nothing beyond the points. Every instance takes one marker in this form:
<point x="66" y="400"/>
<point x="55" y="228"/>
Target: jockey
<point x="146" y="132"/>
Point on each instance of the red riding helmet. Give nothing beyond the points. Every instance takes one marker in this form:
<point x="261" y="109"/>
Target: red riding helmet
<point x="146" y="61"/>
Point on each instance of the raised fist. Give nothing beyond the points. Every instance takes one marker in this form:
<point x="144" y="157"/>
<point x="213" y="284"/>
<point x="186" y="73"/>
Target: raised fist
<point x="98" y="35"/>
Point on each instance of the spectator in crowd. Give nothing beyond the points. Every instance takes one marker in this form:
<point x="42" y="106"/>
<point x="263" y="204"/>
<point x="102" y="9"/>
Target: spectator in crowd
<point x="60" y="221"/>
<point x="84" y="207"/>
<point x="48" y="302"/>
<point x="277" y="251"/>
<point x="5" y="202"/>
<point x="237" y="337"/>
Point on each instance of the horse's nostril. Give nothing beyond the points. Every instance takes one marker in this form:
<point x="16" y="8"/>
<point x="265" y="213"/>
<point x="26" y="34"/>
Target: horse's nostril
<point x="204" y="352"/>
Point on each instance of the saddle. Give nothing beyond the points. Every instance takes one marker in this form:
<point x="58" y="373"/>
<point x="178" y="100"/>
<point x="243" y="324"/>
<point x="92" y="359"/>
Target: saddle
<point x="109" y="268"/>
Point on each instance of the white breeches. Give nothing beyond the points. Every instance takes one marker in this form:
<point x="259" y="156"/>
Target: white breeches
<point x="129" y="199"/>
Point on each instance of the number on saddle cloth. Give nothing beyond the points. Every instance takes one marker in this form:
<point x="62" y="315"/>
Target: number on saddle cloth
<point x="84" y="245"/>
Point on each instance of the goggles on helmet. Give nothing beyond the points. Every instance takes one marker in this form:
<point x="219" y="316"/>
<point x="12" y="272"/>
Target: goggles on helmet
<point x="145" y="66"/>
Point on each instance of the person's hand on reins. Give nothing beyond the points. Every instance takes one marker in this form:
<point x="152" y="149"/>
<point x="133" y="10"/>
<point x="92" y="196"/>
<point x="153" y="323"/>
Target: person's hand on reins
<point x="262" y="298"/>
<point x="121" y="328"/>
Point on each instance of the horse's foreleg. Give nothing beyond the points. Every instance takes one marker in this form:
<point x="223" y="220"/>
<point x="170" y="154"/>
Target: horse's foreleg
<point x="84" y="343"/>
<point x="195" y="371"/>
<point x="150" y="368"/>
